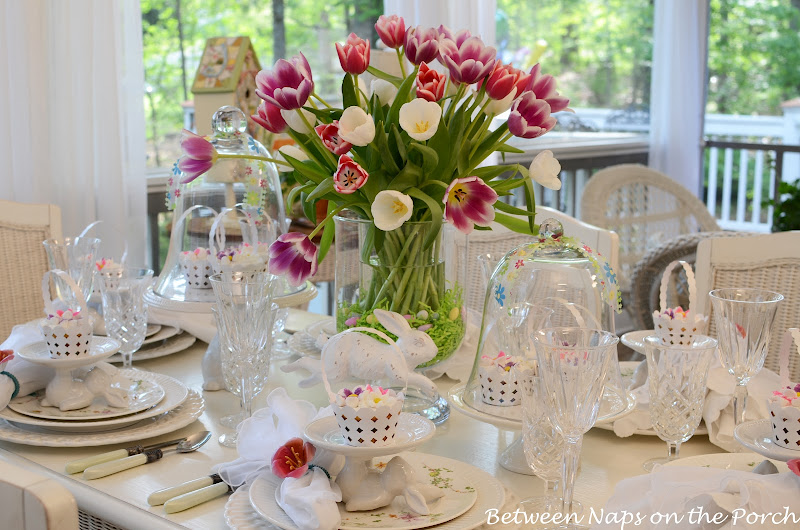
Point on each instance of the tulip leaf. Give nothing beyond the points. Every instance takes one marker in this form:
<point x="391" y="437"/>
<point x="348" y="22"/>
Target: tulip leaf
<point x="462" y="157"/>
<point x="380" y="237"/>
<point x="327" y="234"/>
<point x="325" y="115"/>
<point x="430" y="158"/>
<point x="489" y="172"/>
<point x="348" y="92"/>
<point x="530" y="201"/>
<point x="505" y="148"/>
<point x="322" y="188"/>
<point x="503" y="186"/>
<point x="387" y="159"/>
<point x="440" y="142"/>
<point x="513" y="210"/>
<point x="402" y="97"/>
<point x="520" y="226"/>
<point x="401" y="145"/>
<point x="437" y="214"/>
<point x="309" y="208"/>
<point x="307" y="169"/>
<point x="376" y="111"/>
<point x="291" y="197"/>
<point x="380" y="74"/>
<point x="408" y="177"/>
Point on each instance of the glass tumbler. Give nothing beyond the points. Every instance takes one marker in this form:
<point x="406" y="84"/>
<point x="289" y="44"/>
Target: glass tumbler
<point x="76" y="256"/>
<point x="124" y="309"/>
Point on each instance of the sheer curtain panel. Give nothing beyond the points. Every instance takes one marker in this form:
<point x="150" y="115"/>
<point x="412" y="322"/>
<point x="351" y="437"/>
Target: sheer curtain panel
<point x="71" y="86"/>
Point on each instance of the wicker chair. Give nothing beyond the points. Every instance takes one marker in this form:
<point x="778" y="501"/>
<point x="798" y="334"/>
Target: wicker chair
<point x="766" y="261"/>
<point x="645" y="208"/>
<point x="31" y="501"/>
<point x="647" y="273"/>
<point x="23" y="261"/>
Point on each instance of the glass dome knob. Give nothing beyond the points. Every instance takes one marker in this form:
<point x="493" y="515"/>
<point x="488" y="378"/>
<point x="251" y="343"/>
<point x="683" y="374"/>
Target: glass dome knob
<point x="551" y="229"/>
<point x="228" y="120"/>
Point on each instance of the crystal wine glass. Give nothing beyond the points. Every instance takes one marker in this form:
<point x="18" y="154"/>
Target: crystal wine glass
<point x="574" y="363"/>
<point x="744" y="319"/>
<point x="246" y="314"/>
<point x="124" y="310"/>
<point x="76" y="256"/>
<point x="677" y="377"/>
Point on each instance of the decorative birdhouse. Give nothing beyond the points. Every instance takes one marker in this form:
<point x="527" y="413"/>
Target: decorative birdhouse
<point x="227" y="76"/>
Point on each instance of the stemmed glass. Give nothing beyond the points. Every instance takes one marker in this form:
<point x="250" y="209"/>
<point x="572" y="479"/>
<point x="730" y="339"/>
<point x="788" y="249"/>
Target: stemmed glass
<point x="76" y="256"/>
<point x="677" y="376"/>
<point x="574" y="363"/>
<point x="744" y="319"/>
<point x="124" y="310"/>
<point x="245" y="315"/>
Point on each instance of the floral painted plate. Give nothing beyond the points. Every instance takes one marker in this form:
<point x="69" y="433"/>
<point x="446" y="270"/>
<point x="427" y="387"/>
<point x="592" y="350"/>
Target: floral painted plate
<point x="463" y="485"/>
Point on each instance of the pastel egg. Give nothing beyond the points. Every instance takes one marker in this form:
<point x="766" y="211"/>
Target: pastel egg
<point x="425" y="327"/>
<point x="422" y="315"/>
<point x="371" y="319"/>
<point x="407" y="317"/>
<point x="350" y="322"/>
<point x="435" y="316"/>
<point x="453" y="313"/>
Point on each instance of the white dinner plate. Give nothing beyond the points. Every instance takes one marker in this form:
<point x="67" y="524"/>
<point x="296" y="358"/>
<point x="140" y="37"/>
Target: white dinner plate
<point x="143" y="393"/>
<point x="100" y="328"/>
<point x="757" y="436"/>
<point x="412" y="430"/>
<point x="635" y="339"/>
<point x="465" y="485"/>
<point x="175" y="394"/>
<point x="734" y="461"/>
<point x="175" y="344"/>
<point x="177" y="418"/>
<point x="163" y="333"/>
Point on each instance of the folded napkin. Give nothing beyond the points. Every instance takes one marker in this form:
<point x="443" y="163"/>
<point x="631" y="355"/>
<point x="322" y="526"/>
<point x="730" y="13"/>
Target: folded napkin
<point x="718" y="407"/>
<point x="702" y="498"/>
<point x="201" y="325"/>
<point x="308" y="500"/>
<point x="31" y="377"/>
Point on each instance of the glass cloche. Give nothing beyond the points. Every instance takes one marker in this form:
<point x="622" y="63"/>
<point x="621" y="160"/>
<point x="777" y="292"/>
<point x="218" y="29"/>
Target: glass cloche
<point x="553" y="281"/>
<point x="238" y="203"/>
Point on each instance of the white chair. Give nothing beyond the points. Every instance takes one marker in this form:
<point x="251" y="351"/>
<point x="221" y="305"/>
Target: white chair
<point x="765" y="261"/>
<point x="29" y="501"/>
<point x="500" y="240"/>
<point x="645" y="208"/>
<point x="23" y="261"/>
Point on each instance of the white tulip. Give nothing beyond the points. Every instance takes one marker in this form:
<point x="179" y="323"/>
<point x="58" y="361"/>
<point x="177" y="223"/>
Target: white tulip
<point x="356" y="126"/>
<point x="498" y="106"/>
<point x="385" y="91"/>
<point x="296" y="123"/>
<point x="292" y="151"/>
<point x="391" y="209"/>
<point x="420" y="118"/>
<point x="544" y="170"/>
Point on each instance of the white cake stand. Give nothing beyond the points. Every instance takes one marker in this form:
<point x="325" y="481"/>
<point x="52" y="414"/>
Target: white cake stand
<point x="362" y="487"/>
<point x="63" y="386"/>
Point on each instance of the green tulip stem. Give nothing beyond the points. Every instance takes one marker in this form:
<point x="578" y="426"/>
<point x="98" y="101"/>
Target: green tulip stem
<point x="400" y="60"/>
<point x="321" y="100"/>
<point x="256" y="157"/>
<point x="316" y="139"/>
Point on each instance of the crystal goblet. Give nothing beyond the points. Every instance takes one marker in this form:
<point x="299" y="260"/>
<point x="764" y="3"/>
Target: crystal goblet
<point x="574" y="363"/>
<point x="124" y="310"/>
<point x="744" y="320"/>
<point x="76" y="256"/>
<point x="245" y="314"/>
<point x="677" y="377"/>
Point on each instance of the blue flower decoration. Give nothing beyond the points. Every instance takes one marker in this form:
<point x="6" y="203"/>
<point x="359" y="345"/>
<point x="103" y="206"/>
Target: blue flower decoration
<point x="499" y="294"/>
<point x="175" y="169"/>
<point x="612" y="277"/>
<point x="251" y="143"/>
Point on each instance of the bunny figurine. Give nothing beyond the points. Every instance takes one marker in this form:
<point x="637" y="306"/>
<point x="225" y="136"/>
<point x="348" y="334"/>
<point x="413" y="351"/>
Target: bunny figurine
<point x="360" y="355"/>
<point x="68" y="394"/>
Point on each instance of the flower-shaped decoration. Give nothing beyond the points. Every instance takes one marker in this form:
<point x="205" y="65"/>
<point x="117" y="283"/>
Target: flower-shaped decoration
<point x="292" y="459"/>
<point x="6" y="355"/>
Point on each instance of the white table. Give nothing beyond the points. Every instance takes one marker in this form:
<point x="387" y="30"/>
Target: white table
<point x="121" y="499"/>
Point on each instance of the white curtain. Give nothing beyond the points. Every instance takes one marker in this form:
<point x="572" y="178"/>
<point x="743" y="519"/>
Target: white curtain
<point x="474" y="15"/>
<point x="677" y="100"/>
<point x="71" y="87"/>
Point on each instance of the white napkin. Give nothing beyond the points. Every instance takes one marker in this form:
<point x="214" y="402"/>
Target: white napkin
<point x="31" y="377"/>
<point x="681" y="492"/>
<point x="201" y="325"/>
<point x="310" y="501"/>
<point x="259" y="437"/>
<point x="718" y="407"/>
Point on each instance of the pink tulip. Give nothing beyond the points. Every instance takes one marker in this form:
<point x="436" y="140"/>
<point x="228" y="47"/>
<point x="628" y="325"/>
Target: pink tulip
<point x="530" y="117"/>
<point x="430" y="83"/>
<point x="269" y="117"/>
<point x="329" y="134"/>
<point x="471" y="62"/>
<point x="295" y="255"/>
<point x="449" y="43"/>
<point x="544" y="86"/>
<point x="198" y="156"/>
<point x="504" y="79"/>
<point x="422" y="44"/>
<point x="288" y="85"/>
<point x="469" y="202"/>
<point x="292" y="458"/>
<point x="353" y="55"/>
<point x="349" y="176"/>
<point x="391" y="30"/>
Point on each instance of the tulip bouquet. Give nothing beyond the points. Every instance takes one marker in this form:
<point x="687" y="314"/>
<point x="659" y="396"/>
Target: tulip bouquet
<point x="406" y="151"/>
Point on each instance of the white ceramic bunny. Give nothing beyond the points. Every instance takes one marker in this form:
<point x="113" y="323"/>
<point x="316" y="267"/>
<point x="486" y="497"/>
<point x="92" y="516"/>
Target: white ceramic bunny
<point x="368" y="489"/>
<point x="70" y="394"/>
<point x="362" y="356"/>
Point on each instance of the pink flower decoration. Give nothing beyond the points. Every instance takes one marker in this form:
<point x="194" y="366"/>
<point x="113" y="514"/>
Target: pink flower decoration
<point x="504" y="79"/>
<point x="794" y="466"/>
<point x="288" y="85"/>
<point x="294" y="255"/>
<point x="292" y="459"/>
<point x="329" y="134"/>
<point x="469" y="201"/>
<point x="354" y="54"/>
<point x="530" y="117"/>
<point x="198" y="156"/>
<point x="349" y="176"/>
<point x="422" y="44"/>
<point x="6" y="355"/>
<point x="269" y="117"/>
<point x="391" y="30"/>
<point x="430" y="83"/>
<point x="471" y="62"/>
<point x="544" y="86"/>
